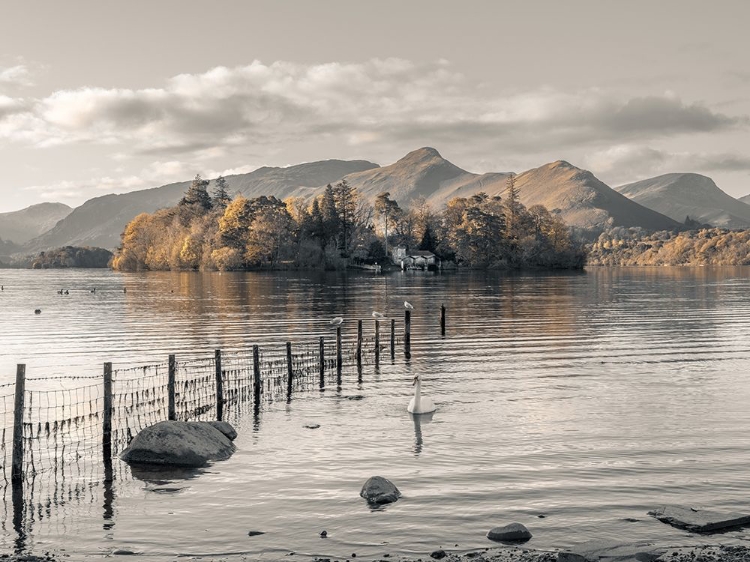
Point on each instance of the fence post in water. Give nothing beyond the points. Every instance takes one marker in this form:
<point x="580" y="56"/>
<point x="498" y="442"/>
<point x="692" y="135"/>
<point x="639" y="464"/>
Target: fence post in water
<point x="322" y="356"/>
<point x="407" y="333"/>
<point x="256" y="374"/>
<point x="359" y="344"/>
<point x="289" y="369"/>
<point x="338" y="354"/>
<point x="393" y="338"/>
<point x="16" y="474"/>
<point x="377" y="342"/>
<point x="219" y="387"/>
<point x="171" y="412"/>
<point x="442" y="319"/>
<point x="107" y="418"/>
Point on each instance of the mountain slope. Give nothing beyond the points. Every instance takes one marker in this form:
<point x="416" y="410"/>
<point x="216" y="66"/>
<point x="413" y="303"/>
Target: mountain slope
<point x="745" y="199"/>
<point x="100" y="221"/>
<point x="583" y="200"/>
<point x="693" y="195"/>
<point x="21" y="226"/>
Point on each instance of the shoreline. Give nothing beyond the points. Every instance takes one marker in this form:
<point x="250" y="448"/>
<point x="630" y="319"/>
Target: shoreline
<point x="627" y="552"/>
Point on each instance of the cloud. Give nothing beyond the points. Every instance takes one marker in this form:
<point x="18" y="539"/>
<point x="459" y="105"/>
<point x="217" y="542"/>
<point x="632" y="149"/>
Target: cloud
<point x="627" y="162"/>
<point x="15" y="76"/>
<point x="268" y="106"/>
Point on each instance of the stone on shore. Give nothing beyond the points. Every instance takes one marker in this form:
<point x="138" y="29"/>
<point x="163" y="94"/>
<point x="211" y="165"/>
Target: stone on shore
<point x="379" y="490"/>
<point x="594" y="551"/>
<point x="515" y="532"/>
<point x="178" y="444"/>
<point x="699" y="520"/>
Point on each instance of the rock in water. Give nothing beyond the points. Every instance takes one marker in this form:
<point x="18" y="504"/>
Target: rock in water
<point x="225" y="427"/>
<point x="178" y="443"/>
<point x="594" y="551"/>
<point x="699" y="520"/>
<point x="515" y="532"/>
<point x="379" y="490"/>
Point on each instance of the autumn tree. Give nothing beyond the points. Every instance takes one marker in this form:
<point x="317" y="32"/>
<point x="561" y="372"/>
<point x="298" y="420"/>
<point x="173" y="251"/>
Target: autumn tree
<point x="388" y="210"/>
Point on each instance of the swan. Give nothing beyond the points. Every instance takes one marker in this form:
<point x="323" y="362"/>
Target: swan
<point x="337" y="321"/>
<point x="408" y="305"/>
<point x="420" y="404"/>
<point x="378" y="315"/>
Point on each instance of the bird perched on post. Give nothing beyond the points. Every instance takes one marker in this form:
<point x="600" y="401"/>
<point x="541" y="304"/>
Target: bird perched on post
<point x="408" y="305"/>
<point x="337" y="321"/>
<point x="378" y="315"/>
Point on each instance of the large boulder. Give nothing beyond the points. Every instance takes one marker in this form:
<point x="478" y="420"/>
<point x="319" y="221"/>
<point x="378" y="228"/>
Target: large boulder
<point x="177" y="443"/>
<point x="225" y="427"/>
<point x="515" y="532"/>
<point x="379" y="490"/>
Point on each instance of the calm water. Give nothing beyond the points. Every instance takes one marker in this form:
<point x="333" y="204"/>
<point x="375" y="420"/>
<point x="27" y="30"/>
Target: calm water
<point x="587" y="398"/>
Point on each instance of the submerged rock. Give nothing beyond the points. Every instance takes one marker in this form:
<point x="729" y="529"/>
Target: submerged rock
<point x="515" y="532"/>
<point x="699" y="520"/>
<point x="180" y="444"/>
<point x="593" y="551"/>
<point x="379" y="490"/>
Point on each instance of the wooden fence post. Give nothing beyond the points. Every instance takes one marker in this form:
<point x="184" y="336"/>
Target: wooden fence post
<point x="289" y="369"/>
<point x="219" y="386"/>
<point x="359" y="344"/>
<point x="407" y="333"/>
<point x="442" y="319"/>
<point x="256" y="374"/>
<point x="322" y="356"/>
<point x="16" y="474"/>
<point x="377" y="342"/>
<point x="172" y="411"/>
<point x="107" y="418"/>
<point x="338" y="355"/>
<point x="393" y="338"/>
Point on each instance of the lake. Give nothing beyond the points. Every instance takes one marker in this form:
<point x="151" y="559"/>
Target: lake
<point x="586" y="398"/>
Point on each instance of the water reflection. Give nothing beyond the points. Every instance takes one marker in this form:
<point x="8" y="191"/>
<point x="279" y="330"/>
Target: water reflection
<point x="418" y="420"/>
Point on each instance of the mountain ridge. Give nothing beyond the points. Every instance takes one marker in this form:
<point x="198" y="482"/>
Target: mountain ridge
<point x="27" y="223"/>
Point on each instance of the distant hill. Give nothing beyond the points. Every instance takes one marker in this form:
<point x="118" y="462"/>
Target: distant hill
<point x="100" y="221"/>
<point x="745" y="199"/>
<point x="694" y="195"/>
<point x="421" y="173"/>
<point x="21" y="226"/>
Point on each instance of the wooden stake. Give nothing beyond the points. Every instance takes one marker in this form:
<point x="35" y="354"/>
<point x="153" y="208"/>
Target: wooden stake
<point x="393" y="338"/>
<point x="338" y="355"/>
<point x="17" y="467"/>
<point x="407" y="333"/>
<point x="322" y="355"/>
<point x="171" y="412"/>
<point x="256" y="374"/>
<point x="442" y="319"/>
<point x="219" y="386"/>
<point x="107" y="418"/>
<point x="289" y="369"/>
<point x="359" y="343"/>
<point x="377" y="342"/>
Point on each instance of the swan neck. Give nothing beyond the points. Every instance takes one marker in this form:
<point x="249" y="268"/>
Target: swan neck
<point x="418" y="390"/>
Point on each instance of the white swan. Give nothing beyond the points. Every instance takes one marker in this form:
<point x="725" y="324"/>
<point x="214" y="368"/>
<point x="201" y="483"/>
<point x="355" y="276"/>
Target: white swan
<point x="420" y="404"/>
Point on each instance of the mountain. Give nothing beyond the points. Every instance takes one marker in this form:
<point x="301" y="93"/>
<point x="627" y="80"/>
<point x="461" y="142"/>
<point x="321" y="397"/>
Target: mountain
<point x="421" y="173"/>
<point x="693" y="195"/>
<point x="583" y="200"/>
<point x="745" y="199"/>
<point x="21" y="226"/>
<point x="100" y="221"/>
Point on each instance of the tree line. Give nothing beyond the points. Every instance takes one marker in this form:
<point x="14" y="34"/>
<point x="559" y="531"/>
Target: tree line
<point x="213" y="231"/>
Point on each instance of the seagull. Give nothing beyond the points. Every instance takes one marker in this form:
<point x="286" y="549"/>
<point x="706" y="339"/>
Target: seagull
<point x="408" y="305"/>
<point x="337" y="321"/>
<point x="420" y="404"/>
<point x="378" y="315"/>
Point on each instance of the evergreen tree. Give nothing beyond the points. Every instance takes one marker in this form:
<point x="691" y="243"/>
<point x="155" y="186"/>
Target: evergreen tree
<point x="197" y="195"/>
<point x="221" y="195"/>
<point x="428" y="243"/>
<point x="317" y="224"/>
<point x="345" y="197"/>
<point x="331" y="222"/>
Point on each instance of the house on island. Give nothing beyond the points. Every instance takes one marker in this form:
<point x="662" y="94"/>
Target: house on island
<point x="414" y="259"/>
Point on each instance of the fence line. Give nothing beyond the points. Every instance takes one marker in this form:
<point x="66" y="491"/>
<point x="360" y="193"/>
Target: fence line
<point x="54" y="430"/>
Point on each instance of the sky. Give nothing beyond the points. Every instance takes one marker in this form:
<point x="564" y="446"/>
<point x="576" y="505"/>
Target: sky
<point x="102" y="97"/>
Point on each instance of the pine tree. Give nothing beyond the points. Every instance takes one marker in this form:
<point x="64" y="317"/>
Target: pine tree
<point x="345" y="197"/>
<point x="221" y="196"/>
<point x="428" y="243"/>
<point x="331" y="222"/>
<point x="197" y="195"/>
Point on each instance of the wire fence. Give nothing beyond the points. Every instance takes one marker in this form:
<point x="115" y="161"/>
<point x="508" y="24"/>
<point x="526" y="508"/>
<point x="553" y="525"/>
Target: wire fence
<point x="66" y="433"/>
